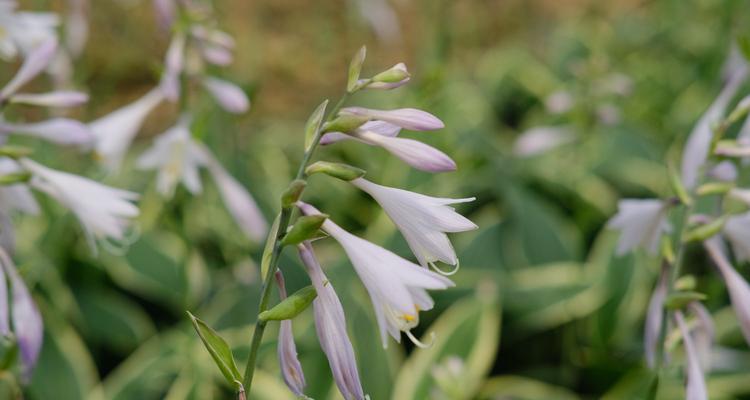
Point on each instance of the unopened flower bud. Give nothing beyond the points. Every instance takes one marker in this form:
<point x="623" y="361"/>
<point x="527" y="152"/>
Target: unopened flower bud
<point x="306" y="227"/>
<point x="291" y="306"/>
<point x="336" y="170"/>
<point x="15" y="152"/>
<point x="293" y="193"/>
<point x="345" y="123"/>
<point x="390" y="79"/>
<point x="705" y="231"/>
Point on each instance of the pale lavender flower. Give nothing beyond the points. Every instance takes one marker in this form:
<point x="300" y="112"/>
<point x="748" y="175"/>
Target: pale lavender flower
<point x="330" y="325"/>
<point x="177" y="157"/>
<point x="559" y="102"/>
<point x="654" y="316"/>
<point x="229" y="96"/>
<point x="165" y="13"/>
<point x="642" y="222"/>
<point x="541" y="139"/>
<point x="696" y="149"/>
<point x="379" y="127"/>
<point x="291" y="369"/>
<point x="382" y="18"/>
<point x="695" y="388"/>
<point x="173" y="64"/>
<point x="739" y="290"/>
<point x="32" y="66"/>
<point x="104" y="212"/>
<point x="76" y="26"/>
<point x="397" y="287"/>
<point x="62" y="98"/>
<point x="57" y="130"/>
<point x="423" y="220"/>
<point x="407" y="118"/>
<point x="115" y="131"/>
<point x="737" y="231"/>
<point x="214" y="45"/>
<point x="413" y="152"/>
<point x="24" y="31"/>
<point x="27" y="321"/>
<point x="237" y="199"/>
<point x="723" y="171"/>
<point x="704" y="333"/>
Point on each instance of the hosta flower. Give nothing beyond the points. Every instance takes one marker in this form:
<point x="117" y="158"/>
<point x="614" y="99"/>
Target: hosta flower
<point x="229" y="96"/>
<point x="695" y="387"/>
<point x="27" y="321"/>
<point x="642" y="222"/>
<point x="23" y="31"/>
<point x="704" y="333"/>
<point x="330" y="325"/>
<point x="738" y="288"/>
<point x="115" y="131"/>
<point x="173" y="64"/>
<point x="291" y="370"/>
<point x="57" y="130"/>
<point x="214" y="45"/>
<point x="397" y="287"/>
<point x="62" y="98"/>
<point x="423" y="220"/>
<point x="653" y="325"/>
<point x="412" y="152"/>
<point x="33" y="65"/>
<point x="696" y="149"/>
<point x="16" y="197"/>
<point x="737" y="231"/>
<point x="541" y="139"/>
<point x="407" y="118"/>
<point x="165" y="12"/>
<point x="177" y="158"/>
<point x="104" y="212"/>
<point x="399" y="68"/>
<point x="76" y="26"/>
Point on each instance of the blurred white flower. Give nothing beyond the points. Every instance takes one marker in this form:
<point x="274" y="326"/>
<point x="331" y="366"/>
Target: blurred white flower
<point x="76" y="26"/>
<point x="737" y="231"/>
<point x="177" y="157"/>
<point x="17" y="197"/>
<point x="62" y="98"/>
<point x="423" y="220"/>
<point x="641" y="222"/>
<point x="541" y="139"/>
<point x="24" y="31"/>
<point x="397" y="287"/>
<point x="37" y="60"/>
<point x="173" y="64"/>
<point x="695" y="388"/>
<point x="57" y="130"/>
<point x="738" y="288"/>
<point x="115" y="131"/>
<point x="229" y="96"/>
<point x="104" y="212"/>
<point x="559" y="102"/>
<point x="653" y="324"/>
<point x="723" y="171"/>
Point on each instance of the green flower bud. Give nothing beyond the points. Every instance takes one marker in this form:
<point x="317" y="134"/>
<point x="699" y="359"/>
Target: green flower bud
<point x="678" y="300"/>
<point x="292" y="193"/>
<point x="336" y="170"/>
<point x="345" y="123"/>
<point x="291" y="306"/>
<point x="305" y="228"/>
<point x="705" y="231"/>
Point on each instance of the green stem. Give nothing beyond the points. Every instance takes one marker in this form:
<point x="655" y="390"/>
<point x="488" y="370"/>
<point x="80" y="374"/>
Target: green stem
<point x="284" y="219"/>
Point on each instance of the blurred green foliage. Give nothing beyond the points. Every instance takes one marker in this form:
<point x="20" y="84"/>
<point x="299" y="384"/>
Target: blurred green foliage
<point x="540" y="272"/>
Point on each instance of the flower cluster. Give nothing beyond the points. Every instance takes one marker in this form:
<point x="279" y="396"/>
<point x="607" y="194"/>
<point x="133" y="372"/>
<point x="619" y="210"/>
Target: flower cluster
<point x="714" y="210"/>
<point x="398" y="288"/>
<point x="177" y="155"/>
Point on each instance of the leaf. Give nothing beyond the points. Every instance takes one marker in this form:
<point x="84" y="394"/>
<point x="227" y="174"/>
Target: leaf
<point x="265" y="261"/>
<point x="523" y="388"/>
<point x="312" y="127"/>
<point x="469" y="331"/>
<point x="219" y="350"/>
<point x="355" y="67"/>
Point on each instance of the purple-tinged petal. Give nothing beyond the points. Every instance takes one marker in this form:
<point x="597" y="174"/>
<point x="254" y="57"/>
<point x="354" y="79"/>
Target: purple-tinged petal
<point x="35" y="63"/>
<point x="229" y="96"/>
<point x="57" y="130"/>
<point x="216" y="55"/>
<point x="407" y="118"/>
<point x="62" y="98"/>
<point x="4" y="309"/>
<point x="291" y="369"/>
<point x="174" y="62"/>
<point x="695" y="389"/>
<point x="333" y="137"/>
<point x="654" y="318"/>
<point x="165" y="13"/>
<point x="415" y="153"/>
<point x="739" y="290"/>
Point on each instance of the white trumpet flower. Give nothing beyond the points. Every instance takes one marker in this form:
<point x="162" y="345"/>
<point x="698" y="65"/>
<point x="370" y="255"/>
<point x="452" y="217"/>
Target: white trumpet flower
<point x="397" y="287"/>
<point x="737" y="231"/>
<point x="423" y="220"/>
<point x="642" y="222"/>
<point x="177" y="157"/>
<point x="104" y="212"/>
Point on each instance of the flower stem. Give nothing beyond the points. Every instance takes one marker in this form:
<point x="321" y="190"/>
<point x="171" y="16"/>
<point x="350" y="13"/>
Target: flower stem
<point x="284" y="219"/>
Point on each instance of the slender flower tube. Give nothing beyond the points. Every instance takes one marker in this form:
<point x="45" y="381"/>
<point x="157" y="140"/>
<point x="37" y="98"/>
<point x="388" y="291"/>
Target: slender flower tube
<point x="173" y="65"/>
<point x="704" y="333"/>
<point x="229" y="96"/>
<point x="407" y="118"/>
<point x="104" y="212"/>
<point x="653" y="325"/>
<point x="34" y="64"/>
<point x="696" y="385"/>
<point x="62" y="98"/>
<point x="397" y="287"/>
<point x="115" y="131"/>
<point x="56" y="130"/>
<point x="291" y="369"/>
<point x="423" y="220"/>
<point x="737" y="231"/>
<point x="642" y="222"/>
<point x="379" y="127"/>
<point x="739" y="290"/>
<point x="177" y="157"/>
<point x="330" y="324"/>
<point x="27" y="321"/>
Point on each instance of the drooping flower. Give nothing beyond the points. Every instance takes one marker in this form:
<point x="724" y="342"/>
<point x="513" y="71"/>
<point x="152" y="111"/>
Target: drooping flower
<point x="33" y="65"/>
<point x="330" y="325"/>
<point x="423" y="220"/>
<point x="173" y="64"/>
<point x="397" y="287"/>
<point x="62" y="98"/>
<point x="541" y="139"/>
<point x="407" y="118"/>
<point x="24" y="31"/>
<point x="653" y="326"/>
<point x="412" y="152"/>
<point x="177" y="158"/>
<point x="642" y="222"/>
<point x="57" y="130"/>
<point x="214" y="45"/>
<point x="104" y="212"/>
<point x="695" y="388"/>
<point x="291" y="369"/>
<point x="696" y="149"/>
<point x="115" y="131"/>
<point x="738" y="288"/>
<point x="229" y="96"/>
<point x="737" y="231"/>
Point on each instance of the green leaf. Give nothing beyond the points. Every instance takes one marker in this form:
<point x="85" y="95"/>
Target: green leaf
<point x="304" y="228"/>
<point x="219" y="350"/>
<point x="313" y="124"/>
<point x="265" y="261"/>
<point x="523" y="388"/>
<point x="355" y="67"/>
<point x="291" y="306"/>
